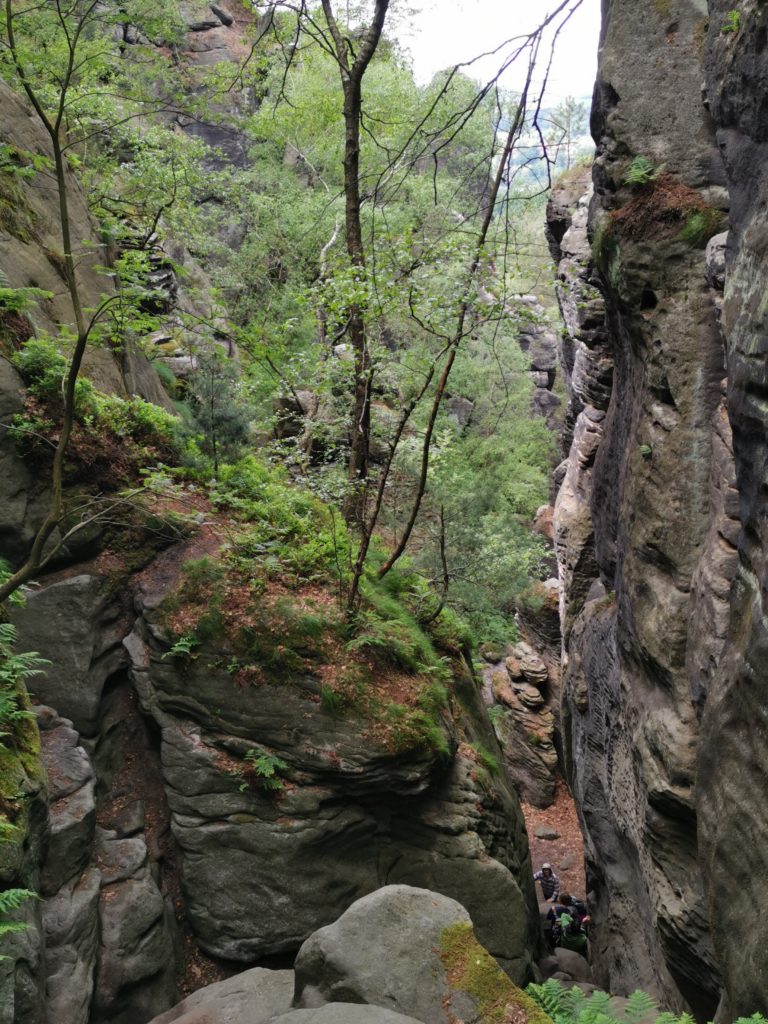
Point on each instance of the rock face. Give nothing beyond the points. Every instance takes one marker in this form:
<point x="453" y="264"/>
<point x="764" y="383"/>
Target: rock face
<point x="350" y="816"/>
<point x="520" y="693"/>
<point x="151" y="812"/>
<point x="660" y="520"/>
<point x="109" y="939"/>
<point x="732" y="764"/>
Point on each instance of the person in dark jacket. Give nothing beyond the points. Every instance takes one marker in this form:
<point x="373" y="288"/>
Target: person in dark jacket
<point x="550" y="883"/>
<point x="569" y="919"/>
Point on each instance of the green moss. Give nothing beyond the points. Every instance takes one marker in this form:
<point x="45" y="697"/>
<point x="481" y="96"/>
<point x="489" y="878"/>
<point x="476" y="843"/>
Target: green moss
<point x="605" y="249"/>
<point x="701" y="225"/>
<point x="486" y="758"/>
<point x="16" y="216"/>
<point x="473" y="970"/>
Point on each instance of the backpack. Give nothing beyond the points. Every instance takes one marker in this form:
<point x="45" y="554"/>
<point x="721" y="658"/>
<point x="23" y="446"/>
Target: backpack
<point x="568" y="933"/>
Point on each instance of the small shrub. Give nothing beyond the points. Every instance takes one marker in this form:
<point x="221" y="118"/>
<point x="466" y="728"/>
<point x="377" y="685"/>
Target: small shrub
<point x="20" y="300"/>
<point x="42" y="366"/>
<point x="281" y="637"/>
<point x="288" y="527"/>
<point x="732" y="22"/>
<point x="201" y="577"/>
<point x="413" y="728"/>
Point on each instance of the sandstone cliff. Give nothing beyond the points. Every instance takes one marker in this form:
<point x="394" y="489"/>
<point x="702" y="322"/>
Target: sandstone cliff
<point x="659" y="523"/>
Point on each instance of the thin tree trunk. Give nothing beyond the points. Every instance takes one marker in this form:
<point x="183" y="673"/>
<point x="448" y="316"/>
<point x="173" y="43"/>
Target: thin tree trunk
<point x="351" y="80"/>
<point x="56" y="507"/>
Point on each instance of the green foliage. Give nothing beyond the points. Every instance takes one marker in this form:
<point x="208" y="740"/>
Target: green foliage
<point x="146" y="425"/>
<point x="410" y="728"/>
<point x="474" y="971"/>
<point x="10" y="900"/>
<point x="330" y="700"/>
<point x="20" y="300"/>
<point x="218" y="406"/>
<point x="387" y="629"/>
<point x="265" y="769"/>
<point x="183" y="647"/>
<point x="732" y="22"/>
<point x="639" y="1006"/>
<point x="488" y="760"/>
<point x="605" y="246"/>
<point x="281" y="637"/>
<point x="15" y="669"/>
<point x="496" y="714"/>
<point x="700" y="226"/>
<point x="572" y="1006"/>
<point x="17" y="597"/>
<point x="642" y="172"/>
<point x="286" y="528"/>
<point x="42" y="365"/>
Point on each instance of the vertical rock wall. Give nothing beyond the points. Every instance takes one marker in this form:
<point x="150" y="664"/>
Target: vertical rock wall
<point x="646" y="518"/>
<point x="733" y="768"/>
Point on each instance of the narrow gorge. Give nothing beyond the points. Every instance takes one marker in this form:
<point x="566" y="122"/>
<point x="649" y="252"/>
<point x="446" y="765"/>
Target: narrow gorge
<point x="411" y="491"/>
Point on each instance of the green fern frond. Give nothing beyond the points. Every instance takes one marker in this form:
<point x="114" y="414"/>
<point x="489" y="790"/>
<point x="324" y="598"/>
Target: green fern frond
<point x="639" y="1005"/>
<point x="12" y="899"/>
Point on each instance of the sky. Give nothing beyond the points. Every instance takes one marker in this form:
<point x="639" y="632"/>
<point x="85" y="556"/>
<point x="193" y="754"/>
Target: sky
<point x="447" y="32"/>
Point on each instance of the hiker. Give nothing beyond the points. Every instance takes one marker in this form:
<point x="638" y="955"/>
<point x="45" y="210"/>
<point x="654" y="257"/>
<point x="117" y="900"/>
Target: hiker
<point x="569" y="918"/>
<point x="568" y="905"/>
<point x="550" y="883"/>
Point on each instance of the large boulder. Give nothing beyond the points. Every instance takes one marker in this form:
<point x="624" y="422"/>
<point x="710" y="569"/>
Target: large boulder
<point x="252" y="997"/>
<point x="384" y="950"/>
<point x="343" y="1013"/>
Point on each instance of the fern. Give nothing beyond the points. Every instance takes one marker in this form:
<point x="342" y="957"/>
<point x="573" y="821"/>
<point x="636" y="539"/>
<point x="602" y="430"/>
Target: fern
<point x="15" y="669"/>
<point x="265" y="768"/>
<point x="640" y="1005"/>
<point x="550" y="996"/>
<point x="17" y="597"/>
<point x="12" y="899"/>
<point x="642" y="172"/>
<point x="182" y="648"/>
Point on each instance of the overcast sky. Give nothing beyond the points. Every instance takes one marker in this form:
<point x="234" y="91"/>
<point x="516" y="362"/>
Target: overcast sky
<point x="447" y="32"/>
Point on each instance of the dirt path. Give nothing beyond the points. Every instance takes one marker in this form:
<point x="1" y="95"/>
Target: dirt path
<point x="566" y="853"/>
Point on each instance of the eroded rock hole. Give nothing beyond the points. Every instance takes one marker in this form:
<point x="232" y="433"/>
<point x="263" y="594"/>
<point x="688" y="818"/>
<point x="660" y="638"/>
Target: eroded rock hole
<point x="648" y="299"/>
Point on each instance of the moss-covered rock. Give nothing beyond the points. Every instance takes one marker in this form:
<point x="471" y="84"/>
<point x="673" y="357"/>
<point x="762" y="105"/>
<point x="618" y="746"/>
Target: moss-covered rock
<point x="471" y="969"/>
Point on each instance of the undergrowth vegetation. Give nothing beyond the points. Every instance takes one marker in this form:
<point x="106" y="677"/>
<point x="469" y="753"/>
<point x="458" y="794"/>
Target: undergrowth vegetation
<point x="114" y="437"/>
<point x="271" y="597"/>
<point x="572" y="1006"/>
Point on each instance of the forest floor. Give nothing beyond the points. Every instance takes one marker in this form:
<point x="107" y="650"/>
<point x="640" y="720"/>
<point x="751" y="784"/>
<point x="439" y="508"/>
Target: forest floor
<point x="566" y="853"/>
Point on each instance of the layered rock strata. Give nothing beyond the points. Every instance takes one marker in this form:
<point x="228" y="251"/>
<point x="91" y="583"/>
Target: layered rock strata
<point x="732" y="767"/>
<point x="647" y="521"/>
